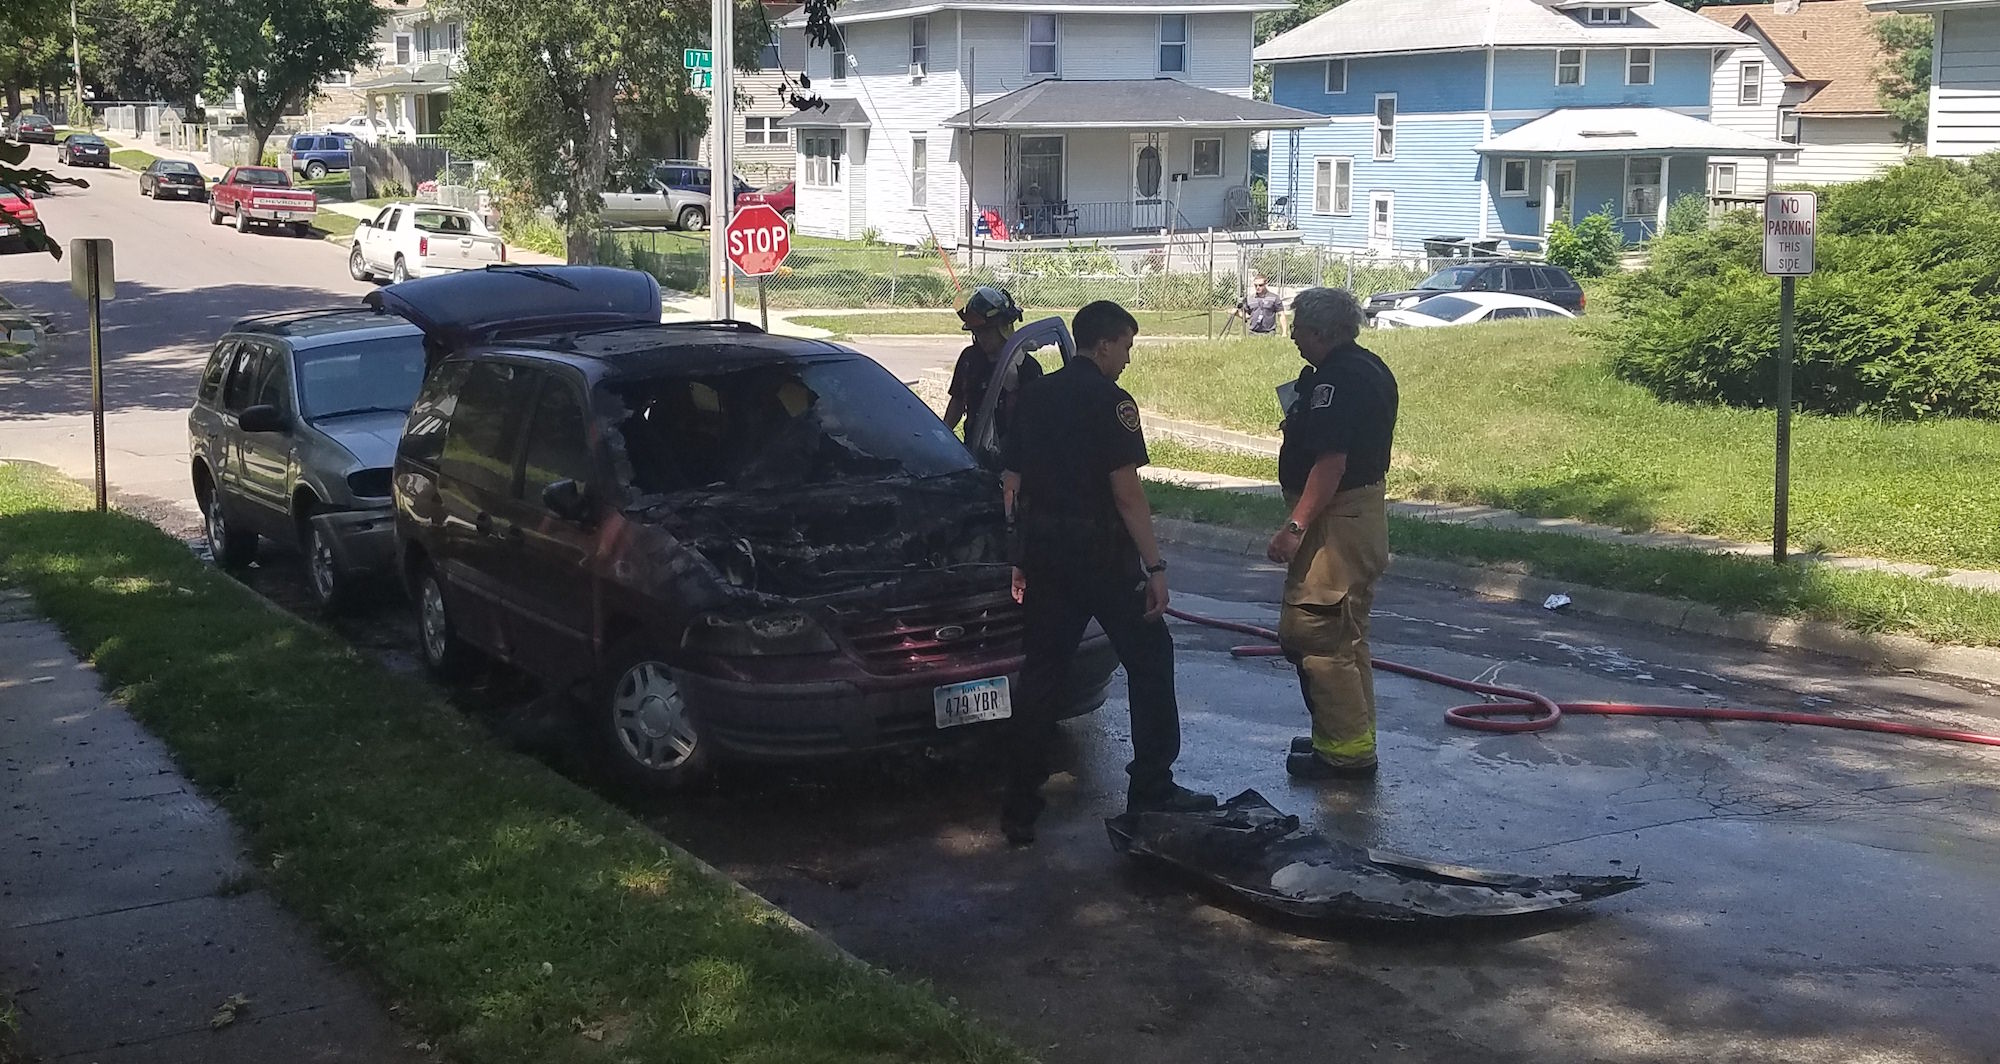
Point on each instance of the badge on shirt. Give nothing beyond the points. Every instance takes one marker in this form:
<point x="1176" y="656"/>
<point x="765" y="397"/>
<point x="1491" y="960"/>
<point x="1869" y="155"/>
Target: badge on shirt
<point x="1128" y="415"/>
<point x="1322" y="396"/>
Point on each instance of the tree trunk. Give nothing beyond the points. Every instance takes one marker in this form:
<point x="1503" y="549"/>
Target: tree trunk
<point x="594" y="160"/>
<point x="13" y="99"/>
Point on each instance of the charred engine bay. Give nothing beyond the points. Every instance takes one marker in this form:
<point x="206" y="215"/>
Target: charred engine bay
<point x="905" y="535"/>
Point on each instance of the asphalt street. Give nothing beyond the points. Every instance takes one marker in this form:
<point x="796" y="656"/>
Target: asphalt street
<point x="1811" y="895"/>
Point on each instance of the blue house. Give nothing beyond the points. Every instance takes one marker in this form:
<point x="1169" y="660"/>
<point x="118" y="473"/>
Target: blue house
<point x="1486" y="120"/>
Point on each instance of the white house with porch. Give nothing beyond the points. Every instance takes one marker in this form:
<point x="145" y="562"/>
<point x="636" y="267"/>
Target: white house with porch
<point x="1005" y="121"/>
<point x="1965" y="73"/>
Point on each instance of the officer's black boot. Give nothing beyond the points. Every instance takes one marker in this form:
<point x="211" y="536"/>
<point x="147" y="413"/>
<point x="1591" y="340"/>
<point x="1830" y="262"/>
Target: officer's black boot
<point x="1174" y="798"/>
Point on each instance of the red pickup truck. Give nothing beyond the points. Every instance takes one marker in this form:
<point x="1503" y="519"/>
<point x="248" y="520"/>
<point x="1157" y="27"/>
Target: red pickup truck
<point x="261" y="195"/>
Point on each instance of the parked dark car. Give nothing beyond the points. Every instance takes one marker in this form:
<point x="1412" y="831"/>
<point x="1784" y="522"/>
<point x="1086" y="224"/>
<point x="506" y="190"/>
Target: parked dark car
<point x="30" y="128"/>
<point x="84" y="149"/>
<point x="291" y="437"/>
<point x="317" y="154"/>
<point x="20" y="223"/>
<point x="172" y="179"/>
<point x="1536" y="280"/>
<point x="730" y="544"/>
<point x="781" y="198"/>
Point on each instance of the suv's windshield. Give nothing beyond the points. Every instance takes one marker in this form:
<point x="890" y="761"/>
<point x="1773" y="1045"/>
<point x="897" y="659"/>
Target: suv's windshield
<point x="360" y="376"/>
<point x="1450" y="279"/>
<point x="1445" y="308"/>
<point x="780" y="426"/>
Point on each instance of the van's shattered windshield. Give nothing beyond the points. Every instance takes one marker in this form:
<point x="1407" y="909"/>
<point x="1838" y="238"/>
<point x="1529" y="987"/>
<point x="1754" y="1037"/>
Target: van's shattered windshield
<point x="780" y="426"/>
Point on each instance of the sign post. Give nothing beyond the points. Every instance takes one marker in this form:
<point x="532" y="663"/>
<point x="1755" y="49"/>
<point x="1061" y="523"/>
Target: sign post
<point x="1791" y="220"/>
<point x="92" y="278"/>
<point x="758" y="241"/>
<point x="721" y="168"/>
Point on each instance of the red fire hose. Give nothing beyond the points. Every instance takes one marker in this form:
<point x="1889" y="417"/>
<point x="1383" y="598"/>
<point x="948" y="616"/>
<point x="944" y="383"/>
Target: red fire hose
<point x="1542" y="713"/>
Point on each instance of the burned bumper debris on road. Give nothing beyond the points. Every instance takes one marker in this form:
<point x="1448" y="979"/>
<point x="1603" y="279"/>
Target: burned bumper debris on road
<point x="1264" y="857"/>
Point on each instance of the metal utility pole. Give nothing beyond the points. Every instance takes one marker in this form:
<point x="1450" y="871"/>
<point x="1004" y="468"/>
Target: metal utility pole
<point x="76" y="64"/>
<point x="721" y="172"/>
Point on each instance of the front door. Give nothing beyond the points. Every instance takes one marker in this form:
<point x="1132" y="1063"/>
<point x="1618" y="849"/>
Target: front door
<point x="1149" y="159"/>
<point x="1562" y="194"/>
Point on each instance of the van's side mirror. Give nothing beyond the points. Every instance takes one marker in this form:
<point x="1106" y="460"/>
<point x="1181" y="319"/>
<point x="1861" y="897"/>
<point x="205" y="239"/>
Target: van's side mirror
<point x="262" y="418"/>
<point x="568" y="500"/>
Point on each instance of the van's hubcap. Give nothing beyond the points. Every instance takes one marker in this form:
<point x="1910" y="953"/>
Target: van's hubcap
<point x="436" y="627"/>
<point x="651" y="717"/>
<point x="218" y="531"/>
<point x="321" y="563"/>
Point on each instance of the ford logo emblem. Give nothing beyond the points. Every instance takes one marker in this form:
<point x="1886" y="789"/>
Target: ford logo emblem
<point x="949" y="633"/>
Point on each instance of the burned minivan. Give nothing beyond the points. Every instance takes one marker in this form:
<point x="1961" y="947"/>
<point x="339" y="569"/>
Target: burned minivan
<point x="723" y="543"/>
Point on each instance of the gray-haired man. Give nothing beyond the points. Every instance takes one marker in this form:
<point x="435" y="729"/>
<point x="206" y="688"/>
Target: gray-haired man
<point x="1332" y="465"/>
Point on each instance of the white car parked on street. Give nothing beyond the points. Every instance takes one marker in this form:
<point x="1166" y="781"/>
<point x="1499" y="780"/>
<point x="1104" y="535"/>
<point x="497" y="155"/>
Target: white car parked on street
<point x="406" y="240"/>
<point x="360" y="127"/>
<point x="1465" y="308"/>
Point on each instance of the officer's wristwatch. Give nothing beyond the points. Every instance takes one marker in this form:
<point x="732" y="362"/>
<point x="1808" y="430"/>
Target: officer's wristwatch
<point x="1157" y="567"/>
<point x="1295" y="528"/>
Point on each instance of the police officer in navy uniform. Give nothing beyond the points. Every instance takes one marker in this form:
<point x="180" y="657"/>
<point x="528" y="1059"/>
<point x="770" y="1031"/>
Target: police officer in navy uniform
<point x="1084" y="548"/>
<point x="1332" y="468"/>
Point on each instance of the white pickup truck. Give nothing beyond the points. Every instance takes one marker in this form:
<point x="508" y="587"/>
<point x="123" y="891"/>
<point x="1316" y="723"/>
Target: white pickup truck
<point x="406" y="240"/>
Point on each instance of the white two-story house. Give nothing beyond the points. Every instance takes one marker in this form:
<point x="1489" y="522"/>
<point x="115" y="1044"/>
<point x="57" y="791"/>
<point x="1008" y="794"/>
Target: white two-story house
<point x="1808" y="78"/>
<point x="1008" y="120"/>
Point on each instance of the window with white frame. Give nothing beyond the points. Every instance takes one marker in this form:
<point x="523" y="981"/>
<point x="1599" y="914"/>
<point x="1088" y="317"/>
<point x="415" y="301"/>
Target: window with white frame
<point x="1604" y="16"/>
<point x="454" y="38"/>
<point x="403" y="44"/>
<point x="838" y="61"/>
<point x="1207" y="160"/>
<point x="1788" y="131"/>
<point x="1041" y="168"/>
<point x="822" y="153"/>
<point x="1042" y="57"/>
<point x="1642" y="186"/>
<point x="425" y="38"/>
<point x="1569" y="66"/>
<point x="1638" y="66"/>
<point x="1173" y="44"/>
<point x="920" y="44"/>
<point x="920" y="170"/>
<point x="1750" y="84"/>
<point x="1382" y="216"/>
<point x="1333" y="184"/>
<point x="1385" y="127"/>
<point x="1514" y="177"/>
<point x="762" y="129"/>
<point x="1336" y="76"/>
<point x="1722" y="178"/>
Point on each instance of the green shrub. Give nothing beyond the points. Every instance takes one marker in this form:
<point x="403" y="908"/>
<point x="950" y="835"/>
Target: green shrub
<point x="1590" y="247"/>
<point x="1901" y="321"/>
<point x="270" y="157"/>
<point x="1688" y="214"/>
<point x="871" y="236"/>
<point x="527" y="228"/>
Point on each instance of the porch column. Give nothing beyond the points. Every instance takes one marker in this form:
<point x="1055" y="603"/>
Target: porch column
<point x="1548" y="196"/>
<point x="1666" y="161"/>
<point x="1770" y="173"/>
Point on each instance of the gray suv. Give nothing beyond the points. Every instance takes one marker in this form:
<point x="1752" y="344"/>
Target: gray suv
<point x="673" y="193"/>
<point x="292" y="436"/>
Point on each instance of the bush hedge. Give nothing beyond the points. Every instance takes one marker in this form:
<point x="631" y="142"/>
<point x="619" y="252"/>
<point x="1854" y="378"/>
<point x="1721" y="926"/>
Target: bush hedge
<point x="1901" y="321"/>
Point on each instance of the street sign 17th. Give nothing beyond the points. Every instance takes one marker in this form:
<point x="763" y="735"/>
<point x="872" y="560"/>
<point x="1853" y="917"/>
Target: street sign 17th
<point x="1790" y="221"/>
<point x="700" y="63"/>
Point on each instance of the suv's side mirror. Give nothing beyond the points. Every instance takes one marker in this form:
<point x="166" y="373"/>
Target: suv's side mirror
<point x="262" y="418"/>
<point x="567" y="499"/>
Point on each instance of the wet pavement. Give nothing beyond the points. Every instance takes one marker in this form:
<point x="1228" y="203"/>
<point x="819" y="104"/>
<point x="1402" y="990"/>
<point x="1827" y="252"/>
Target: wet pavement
<point x="1811" y="895"/>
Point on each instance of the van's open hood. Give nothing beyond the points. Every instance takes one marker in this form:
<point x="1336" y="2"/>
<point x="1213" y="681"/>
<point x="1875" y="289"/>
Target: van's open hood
<point x="478" y="306"/>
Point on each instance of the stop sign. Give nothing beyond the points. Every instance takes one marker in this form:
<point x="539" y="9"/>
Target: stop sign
<point x="758" y="239"/>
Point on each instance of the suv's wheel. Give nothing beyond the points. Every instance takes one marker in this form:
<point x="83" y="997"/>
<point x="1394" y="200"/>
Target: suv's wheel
<point x="445" y="654"/>
<point x="328" y="585"/>
<point x="231" y="547"/>
<point x="401" y="273"/>
<point x="315" y="170"/>
<point x="357" y="267"/>
<point x="642" y="730"/>
<point x="242" y="220"/>
<point x="693" y="219"/>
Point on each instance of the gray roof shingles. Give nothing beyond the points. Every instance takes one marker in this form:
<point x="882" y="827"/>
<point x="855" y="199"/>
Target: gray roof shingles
<point x="1154" y="103"/>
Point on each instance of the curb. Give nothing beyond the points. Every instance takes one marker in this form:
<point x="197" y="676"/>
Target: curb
<point x="1892" y="652"/>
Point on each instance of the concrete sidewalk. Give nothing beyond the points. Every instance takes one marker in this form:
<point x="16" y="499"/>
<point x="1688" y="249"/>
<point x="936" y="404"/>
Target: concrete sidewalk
<point x="128" y="918"/>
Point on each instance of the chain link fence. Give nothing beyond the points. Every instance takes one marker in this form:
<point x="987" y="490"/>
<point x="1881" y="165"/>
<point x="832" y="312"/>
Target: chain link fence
<point x="1192" y="274"/>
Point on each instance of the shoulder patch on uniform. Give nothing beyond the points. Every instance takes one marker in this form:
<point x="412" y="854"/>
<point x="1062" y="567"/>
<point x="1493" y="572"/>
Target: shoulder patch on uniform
<point x="1128" y="415"/>
<point x="1322" y="396"/>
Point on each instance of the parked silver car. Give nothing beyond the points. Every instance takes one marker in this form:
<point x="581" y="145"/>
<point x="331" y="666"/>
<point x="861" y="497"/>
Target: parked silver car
<point x="673" y="193"/>
<point x="292" y="436"/>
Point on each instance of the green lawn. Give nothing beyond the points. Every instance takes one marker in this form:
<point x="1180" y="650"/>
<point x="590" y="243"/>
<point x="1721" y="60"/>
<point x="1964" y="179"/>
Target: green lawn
<point x="1528" y="416"/>
<point x="1864" y="601"/>
<point x="925" y="322"/>
<point x="512" y="916"/>
<point x="333" y="223"/>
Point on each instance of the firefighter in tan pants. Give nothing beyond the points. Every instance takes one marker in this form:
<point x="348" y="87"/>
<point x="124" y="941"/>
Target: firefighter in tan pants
<point x="1337" y="433"/>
